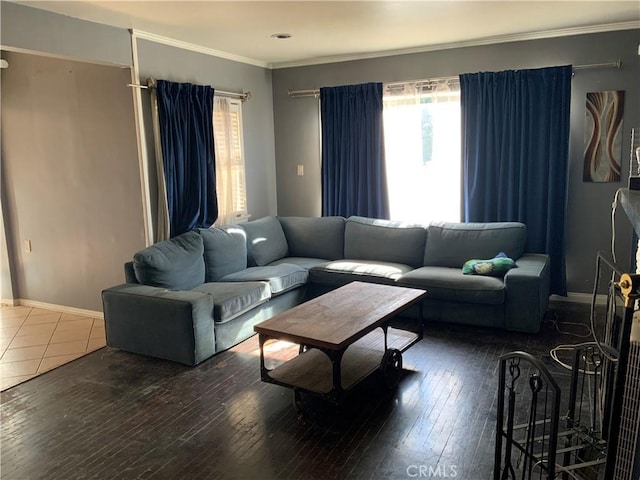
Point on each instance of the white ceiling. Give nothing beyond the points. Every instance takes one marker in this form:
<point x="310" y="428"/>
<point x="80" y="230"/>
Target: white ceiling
<point x="336" y="30"/>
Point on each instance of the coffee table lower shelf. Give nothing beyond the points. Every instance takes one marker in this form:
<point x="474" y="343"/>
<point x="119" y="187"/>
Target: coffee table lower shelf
<point x="314" y="370"/>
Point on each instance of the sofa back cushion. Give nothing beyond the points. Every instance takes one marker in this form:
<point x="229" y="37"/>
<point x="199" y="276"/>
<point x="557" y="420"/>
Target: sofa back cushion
<point x="384" y="240"/>
<point x="175" y="264"/>
<point x="314" y="237"/>
<point x="225" y="251"/>
<point x="452" y="244"/>
<point x="265" y="241"/>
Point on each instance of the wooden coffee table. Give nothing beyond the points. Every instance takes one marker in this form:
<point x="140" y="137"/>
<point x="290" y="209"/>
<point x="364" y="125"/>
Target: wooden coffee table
<point x="344" y="336"/>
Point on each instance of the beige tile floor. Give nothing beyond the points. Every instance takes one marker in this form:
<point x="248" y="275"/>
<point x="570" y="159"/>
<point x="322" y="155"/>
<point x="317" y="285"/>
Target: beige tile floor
<point x="34" y="341"/>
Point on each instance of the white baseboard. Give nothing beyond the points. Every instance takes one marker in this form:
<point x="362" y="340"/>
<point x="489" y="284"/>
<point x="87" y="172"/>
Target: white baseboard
<point x="59" y="308"/>
<point x="575" y="297"/>
<point x="11" y="302"/>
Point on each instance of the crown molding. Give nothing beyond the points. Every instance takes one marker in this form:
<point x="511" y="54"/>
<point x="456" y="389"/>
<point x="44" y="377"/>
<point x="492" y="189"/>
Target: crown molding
<point x="517" y="37"/>
<point x="28" y="51"/>
<point x="152" y="37"/>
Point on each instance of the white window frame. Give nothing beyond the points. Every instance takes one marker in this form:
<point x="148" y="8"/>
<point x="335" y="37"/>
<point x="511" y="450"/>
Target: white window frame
<point x="235" y="139"/>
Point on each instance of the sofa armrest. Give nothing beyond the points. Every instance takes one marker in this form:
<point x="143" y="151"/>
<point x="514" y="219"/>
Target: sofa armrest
<point x="527" y="293"/>
<point x="174" y="325"/>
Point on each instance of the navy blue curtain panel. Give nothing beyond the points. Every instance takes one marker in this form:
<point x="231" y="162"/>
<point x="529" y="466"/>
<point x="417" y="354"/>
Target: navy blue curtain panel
<point x="515" y="144"/>
<point x="353" y="169"/>
<point x="185" y="113"/>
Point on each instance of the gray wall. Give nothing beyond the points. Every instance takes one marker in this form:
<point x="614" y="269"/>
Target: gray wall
<point x="70" y="178"/>
<point x="73" y="257"/>
<point x="36" y="30"/>
<point x="589" y="204"/>
<point x="29" y="30"/>
<point x="294" y="135"/>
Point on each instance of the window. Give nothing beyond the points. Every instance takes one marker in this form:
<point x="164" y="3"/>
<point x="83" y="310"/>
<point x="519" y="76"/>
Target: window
<point x="422" y="148"/>
<point x="230" y="170"/>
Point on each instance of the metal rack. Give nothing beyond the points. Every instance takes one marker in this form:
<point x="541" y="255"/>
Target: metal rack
<point x="593" y="440"/>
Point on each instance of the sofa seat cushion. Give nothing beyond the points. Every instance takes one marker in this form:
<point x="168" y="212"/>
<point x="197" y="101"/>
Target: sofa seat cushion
<point x="232" y="299"/>
<point x="341" y="272"/>
<point x="443" y="283"/>
<point x="281" y="278"/>
<point x="304" y="262"/>
<point x="174" y="264"/>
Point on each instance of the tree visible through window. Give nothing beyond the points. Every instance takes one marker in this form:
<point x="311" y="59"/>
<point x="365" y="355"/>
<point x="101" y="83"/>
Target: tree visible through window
<point x="422" y="148"/>
<point x="230" y="169"/>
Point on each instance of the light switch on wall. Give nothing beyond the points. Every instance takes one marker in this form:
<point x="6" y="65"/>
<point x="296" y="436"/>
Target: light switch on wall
<point x="300" y="170"/>
<point x="27" y="245"/>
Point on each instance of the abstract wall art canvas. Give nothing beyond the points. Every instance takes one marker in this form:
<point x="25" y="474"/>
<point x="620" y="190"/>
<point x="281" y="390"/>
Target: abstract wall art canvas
<point x="603" y="136"/>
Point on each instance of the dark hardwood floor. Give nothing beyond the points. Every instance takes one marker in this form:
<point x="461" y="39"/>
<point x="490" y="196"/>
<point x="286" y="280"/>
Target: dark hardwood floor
<point x="115" y="415"/>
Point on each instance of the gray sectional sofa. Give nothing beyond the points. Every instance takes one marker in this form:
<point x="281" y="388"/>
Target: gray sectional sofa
<point x="202" y="292"/>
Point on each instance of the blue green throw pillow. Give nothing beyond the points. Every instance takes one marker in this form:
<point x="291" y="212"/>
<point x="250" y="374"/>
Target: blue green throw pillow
<point x="496" y="266"/>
